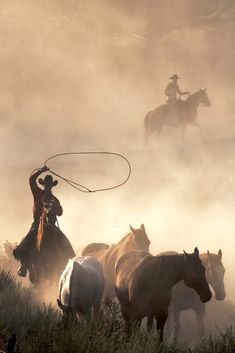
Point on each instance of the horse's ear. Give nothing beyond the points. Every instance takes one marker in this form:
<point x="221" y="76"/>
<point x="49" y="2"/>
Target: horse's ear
<point x="220" y="253"/>
<point x="208" y="255"/>
<point x="132" y="229"/>
<point x="196" y="251"/>
<point x="186" y="255"/>
<point x="142" y="227"/>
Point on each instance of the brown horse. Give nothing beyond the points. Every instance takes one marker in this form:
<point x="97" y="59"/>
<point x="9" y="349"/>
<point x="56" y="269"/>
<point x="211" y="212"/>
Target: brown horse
<point x="144" y="284"/>
<point x="184" y="298"/>
<point x="137" y="239"/>
<point x="185" y="113"/>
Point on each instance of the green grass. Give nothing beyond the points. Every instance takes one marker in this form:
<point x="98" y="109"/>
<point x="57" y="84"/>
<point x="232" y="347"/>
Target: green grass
<point x="39" y="329"/>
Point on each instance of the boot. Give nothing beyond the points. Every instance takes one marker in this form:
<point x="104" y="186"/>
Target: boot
<point x="22" y="271"/>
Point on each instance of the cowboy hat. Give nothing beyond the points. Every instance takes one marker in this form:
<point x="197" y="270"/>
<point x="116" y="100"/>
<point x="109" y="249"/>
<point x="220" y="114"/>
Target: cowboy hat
<point x="48" y="180"/>
<point x="175" y="76"/>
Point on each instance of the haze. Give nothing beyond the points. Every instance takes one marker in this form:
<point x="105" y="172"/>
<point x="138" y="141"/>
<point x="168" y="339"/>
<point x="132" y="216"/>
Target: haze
<point x="80" y="76"/>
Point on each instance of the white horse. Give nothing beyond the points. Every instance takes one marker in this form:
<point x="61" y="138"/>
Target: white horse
<point x="81" y="287"/>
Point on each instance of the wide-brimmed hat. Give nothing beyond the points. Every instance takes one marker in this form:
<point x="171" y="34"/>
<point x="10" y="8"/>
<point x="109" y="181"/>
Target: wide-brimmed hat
<point x="175" y="76"/>
<point x="48" y="180"/>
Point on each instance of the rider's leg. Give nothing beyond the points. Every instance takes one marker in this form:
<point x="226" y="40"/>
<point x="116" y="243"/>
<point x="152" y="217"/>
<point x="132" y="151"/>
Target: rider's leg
<point x="24" y="251"/>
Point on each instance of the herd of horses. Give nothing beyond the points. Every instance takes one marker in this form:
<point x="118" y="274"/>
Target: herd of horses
<point x="145" y="286"/>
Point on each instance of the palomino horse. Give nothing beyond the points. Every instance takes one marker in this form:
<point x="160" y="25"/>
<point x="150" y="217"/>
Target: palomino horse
<point x="184" y="298"/>
<point x="185" y="113"/>
<point x="137" y="239"/>
<point x="144" y="284"/>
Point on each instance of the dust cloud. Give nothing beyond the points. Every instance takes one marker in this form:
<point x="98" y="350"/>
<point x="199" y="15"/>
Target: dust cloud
<point x="81" y="75"/>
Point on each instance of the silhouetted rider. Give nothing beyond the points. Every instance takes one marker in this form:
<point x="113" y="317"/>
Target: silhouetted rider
<point x="172" y="90"/>
<point x="46" y="208"/>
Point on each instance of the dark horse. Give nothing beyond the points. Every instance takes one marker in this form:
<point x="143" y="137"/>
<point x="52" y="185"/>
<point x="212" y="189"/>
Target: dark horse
<point x="185" y="113"/>
<point x="53" y="250"/>
<point x="50" y="255"/>
<point x="184" y="298"/>
<point x="144" y="284"/>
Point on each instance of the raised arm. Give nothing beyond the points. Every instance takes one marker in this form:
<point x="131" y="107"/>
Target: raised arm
<point x="33" y="180"/>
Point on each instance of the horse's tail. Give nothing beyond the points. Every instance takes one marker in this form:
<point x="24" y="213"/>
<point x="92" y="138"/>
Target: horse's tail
<point x="147" y="126"/>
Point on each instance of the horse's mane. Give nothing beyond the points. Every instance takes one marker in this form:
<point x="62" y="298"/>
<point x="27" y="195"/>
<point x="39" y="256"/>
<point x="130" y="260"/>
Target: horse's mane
<point x="192" y="96"/>
<point x="123" y="239"/>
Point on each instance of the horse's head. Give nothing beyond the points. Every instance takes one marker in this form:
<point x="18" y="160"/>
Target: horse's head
<point x="139" y="239"/>
<point x="203" y="97"/>
<point x="215" y="274"/>
<point x="67" y="313"/>
<point x="194" y="275"/>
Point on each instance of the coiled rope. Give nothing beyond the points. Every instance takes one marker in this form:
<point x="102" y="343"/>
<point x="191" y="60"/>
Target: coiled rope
<point x="81" y="187"/>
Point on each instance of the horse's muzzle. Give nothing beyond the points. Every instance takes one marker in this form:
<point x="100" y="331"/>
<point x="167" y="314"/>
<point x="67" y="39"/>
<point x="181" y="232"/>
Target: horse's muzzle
<point x="206" y="297"/>
<point x="220" y="296"/>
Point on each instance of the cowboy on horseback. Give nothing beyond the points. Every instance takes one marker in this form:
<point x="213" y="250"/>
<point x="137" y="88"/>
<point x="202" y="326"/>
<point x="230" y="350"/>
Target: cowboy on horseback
<point x="45" y="211"/>
<point x="172" y="91"/>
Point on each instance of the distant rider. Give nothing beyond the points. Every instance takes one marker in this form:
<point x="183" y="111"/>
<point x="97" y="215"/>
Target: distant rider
<point x="46" y="208"/>
<point x="172" y="90"/>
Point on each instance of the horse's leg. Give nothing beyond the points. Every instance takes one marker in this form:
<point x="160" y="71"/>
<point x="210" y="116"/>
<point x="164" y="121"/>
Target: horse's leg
<point x="200" y="130"/>
<point x="97" y="311"/>
<point x="161" y="318"/>
<point x="169" y="325"/>
<point x="127" y="318"/>
<point x="159" y="130"/>
<point x="88" y="315"/>
<point x="200" y="314"/>
<point x="138" y="322"/>
<point x="183" y="132"/>
<point x="147" y="127"/>
<point x="150" y="322"/>
<point x="176" y="318"/>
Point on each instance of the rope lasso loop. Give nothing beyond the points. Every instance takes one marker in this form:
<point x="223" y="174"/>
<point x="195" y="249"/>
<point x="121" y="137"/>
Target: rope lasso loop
<point x="81" y="187"/>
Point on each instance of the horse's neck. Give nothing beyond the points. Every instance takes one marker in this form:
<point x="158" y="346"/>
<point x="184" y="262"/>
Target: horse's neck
<point x="193" y="101"/>
<point x="115" y="250"/>
<point x="172" y="269"/>
<point x="204" y="259"/>
<point x="124" y="245"/>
